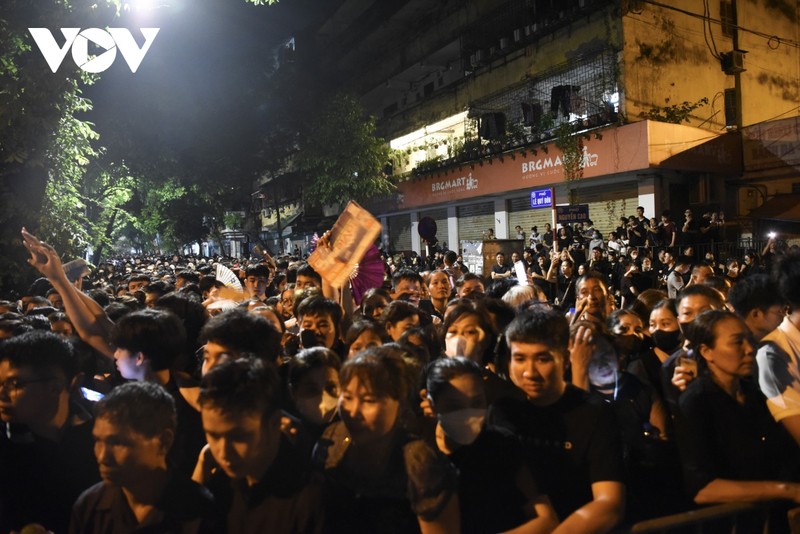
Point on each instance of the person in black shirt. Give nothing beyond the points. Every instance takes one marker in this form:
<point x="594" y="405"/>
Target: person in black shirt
<point x="147" y="343"/>
<point x="564" y="238"/>
<point x="731" y="447"/>
<point x="637" y="235"/>
<point x="260" y="480"/>
<point x="379" y="478"/>
<point x="496" y="490"/>
<point x="134" y="429"/>
<point x="500" y="269"/>
<point x="690" y="229"/>
<point x="561" y="275"/>
<point x="46" y="457"/>
<point x="598" y="263"/>
<point x="547" y="236"/>
<point x="571" y="438"/>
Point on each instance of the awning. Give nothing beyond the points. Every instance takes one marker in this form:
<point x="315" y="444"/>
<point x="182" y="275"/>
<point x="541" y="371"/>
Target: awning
<point x="780" y="214"/>
<point x="691" y="149"/>
<point x="779" y="208"/>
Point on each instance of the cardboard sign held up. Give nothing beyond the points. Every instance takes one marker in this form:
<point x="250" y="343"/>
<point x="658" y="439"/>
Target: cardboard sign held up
<point x="355" y="230"/>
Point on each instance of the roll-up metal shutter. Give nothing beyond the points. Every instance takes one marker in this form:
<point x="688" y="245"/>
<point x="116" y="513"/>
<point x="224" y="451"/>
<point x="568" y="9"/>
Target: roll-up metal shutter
<point x="607" y="204"/>
<point x="399" y="233"/>
<point x="440" y="217"/>
<point x="474" y="220"/>
<point x="520" y="213"/>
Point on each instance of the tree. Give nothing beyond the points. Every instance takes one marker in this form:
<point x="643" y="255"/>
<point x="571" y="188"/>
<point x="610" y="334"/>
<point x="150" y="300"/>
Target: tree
<point x="41" y="138"/>
<point x="87" y="212"/>
<point x="676" y="113"/>
<point x="341" y="155"/>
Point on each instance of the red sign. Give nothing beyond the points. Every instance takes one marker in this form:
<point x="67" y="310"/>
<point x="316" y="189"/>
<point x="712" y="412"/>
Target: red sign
<point x="619" y="150"/>
<point x="639" y="146"/>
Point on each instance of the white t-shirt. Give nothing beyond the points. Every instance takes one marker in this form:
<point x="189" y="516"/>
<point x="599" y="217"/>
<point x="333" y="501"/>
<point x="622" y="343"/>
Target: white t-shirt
<point x="779" y="370"/>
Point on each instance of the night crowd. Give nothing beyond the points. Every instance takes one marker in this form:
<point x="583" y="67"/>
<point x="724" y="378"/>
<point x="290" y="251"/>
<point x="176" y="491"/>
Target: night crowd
<point x="626" y="378"/>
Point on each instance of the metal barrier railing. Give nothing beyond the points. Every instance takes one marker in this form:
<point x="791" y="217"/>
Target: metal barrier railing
<point x="734" y="518"/>
<point x="694" y="520"/>
<point x="723" y="250"/>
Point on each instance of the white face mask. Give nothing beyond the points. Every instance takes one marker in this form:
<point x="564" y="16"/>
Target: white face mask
<point x="463" y="426"/>
<point x="318" y="410"/>
<point x="457" y="345"/>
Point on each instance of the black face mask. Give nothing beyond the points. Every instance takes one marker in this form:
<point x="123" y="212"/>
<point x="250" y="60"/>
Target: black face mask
<point x="628" y="344"/>
<point x="667" y="341"/>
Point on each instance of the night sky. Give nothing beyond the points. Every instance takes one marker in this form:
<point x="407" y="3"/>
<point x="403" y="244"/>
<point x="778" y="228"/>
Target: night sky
<point x="195" y="80"/>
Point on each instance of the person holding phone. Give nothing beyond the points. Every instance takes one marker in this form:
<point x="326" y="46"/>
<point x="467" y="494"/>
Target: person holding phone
<point x="319" y="319"/>
<point x="680" y="369"/>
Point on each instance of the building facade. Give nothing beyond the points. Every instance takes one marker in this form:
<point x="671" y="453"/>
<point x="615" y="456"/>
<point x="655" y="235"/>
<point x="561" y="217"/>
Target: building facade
<point x="488" y="100"/>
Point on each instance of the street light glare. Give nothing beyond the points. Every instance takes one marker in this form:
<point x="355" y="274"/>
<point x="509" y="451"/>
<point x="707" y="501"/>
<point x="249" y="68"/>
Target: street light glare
<point x="144" y="5"/>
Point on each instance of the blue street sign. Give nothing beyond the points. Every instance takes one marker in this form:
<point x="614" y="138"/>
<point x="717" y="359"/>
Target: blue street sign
<point x="541" y="198"/>
<point x="572" y="214"/>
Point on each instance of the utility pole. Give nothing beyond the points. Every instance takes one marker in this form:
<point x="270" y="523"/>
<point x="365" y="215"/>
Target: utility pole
<point x="737" y="76"/>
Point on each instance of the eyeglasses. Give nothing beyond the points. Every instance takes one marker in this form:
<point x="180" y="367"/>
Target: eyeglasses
<point x="13" y="385"/>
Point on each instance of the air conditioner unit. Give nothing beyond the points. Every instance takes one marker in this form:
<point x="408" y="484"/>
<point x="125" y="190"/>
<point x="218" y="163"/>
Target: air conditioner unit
<point x="517" y="35"/>
<point x="504" y="42"/>
<point x="733" y="62"/>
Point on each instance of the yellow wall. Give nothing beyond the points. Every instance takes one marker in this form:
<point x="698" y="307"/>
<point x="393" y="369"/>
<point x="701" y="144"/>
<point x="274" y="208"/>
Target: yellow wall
<point x="666" y="57"/>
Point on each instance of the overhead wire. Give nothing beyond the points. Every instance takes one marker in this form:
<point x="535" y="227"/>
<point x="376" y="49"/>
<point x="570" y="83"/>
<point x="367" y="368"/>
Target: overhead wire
<point x="708" y="35"/>
<point x="771" y="38"/>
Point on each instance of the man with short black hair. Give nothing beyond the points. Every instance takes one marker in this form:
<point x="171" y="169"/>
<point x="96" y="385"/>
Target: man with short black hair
<point x="701" y="272"/>
<point x="256" y="279"/>
<point x="320" y="319"/>
<point x="230" y="334"/>
<point x="691" y="302"/>
<point x="183" y="278"/>
<point x="571" y="437"/>
<point x="137" y="282"/>
<point x="307" y="278"/>
<point x="258" y="478"/>
<point x="451" y="267"/>
<point x="407" y="285"/>
<point x="55" y="299"/>
<point x="154" y="291"/>
<point x="46" y="458"/>
<point x="757" y="300"/>
<point x="147" y="343"/>
<point x="675" y="277"/>
<point x="134" y="429"/>
<point x="470" y="284"/>
<point x="500" y="269"/>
